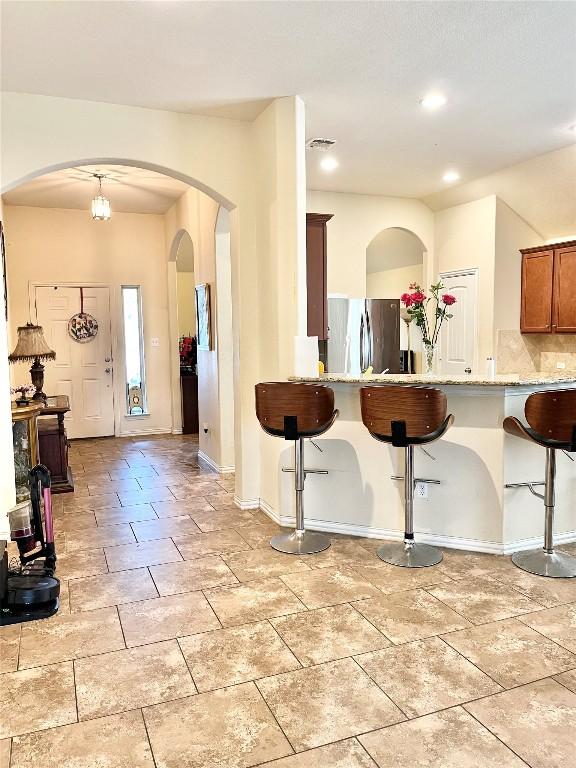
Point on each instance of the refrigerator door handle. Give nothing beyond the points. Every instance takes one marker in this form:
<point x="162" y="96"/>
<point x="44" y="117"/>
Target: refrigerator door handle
<point x="369" y="342"/>
<point x="362" y="369"/>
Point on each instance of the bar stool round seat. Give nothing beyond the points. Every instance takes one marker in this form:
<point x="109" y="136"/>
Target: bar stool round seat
<point x="296" y="411"/>
<point x="405" y="417"/>
<point x="551" y="418"/>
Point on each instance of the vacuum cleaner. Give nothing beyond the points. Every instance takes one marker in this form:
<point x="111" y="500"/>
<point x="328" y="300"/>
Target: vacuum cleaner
<point x="28" y="588"/>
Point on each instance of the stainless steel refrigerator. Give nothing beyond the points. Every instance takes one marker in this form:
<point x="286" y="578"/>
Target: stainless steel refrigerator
<point x="363" y="333"/>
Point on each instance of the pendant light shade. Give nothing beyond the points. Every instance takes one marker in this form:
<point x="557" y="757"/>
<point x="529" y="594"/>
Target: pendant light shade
<point x="100" y="204"/>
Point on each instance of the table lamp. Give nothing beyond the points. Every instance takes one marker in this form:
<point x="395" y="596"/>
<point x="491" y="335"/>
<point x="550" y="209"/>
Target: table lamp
<point x="32" y="346"/>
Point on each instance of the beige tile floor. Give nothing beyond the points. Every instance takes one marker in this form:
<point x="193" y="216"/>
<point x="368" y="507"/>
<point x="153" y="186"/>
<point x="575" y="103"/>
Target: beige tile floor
<point x="184" y="641"/>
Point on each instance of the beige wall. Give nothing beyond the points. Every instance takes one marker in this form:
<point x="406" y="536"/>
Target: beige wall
<point x="356" y="222"/>
<point x="512" y="233"/>
<point x="392" y="283"/>
<point x="7" y="491"/>
<point x="186" y="304"/>
<point x="465" y="237"/>
<point x="196" y="213"/>
<point x="487" y="234"/>
<point x="58" y="246"/>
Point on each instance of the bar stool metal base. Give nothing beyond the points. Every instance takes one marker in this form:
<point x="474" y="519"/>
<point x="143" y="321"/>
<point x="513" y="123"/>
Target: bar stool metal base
<point x="410" y="554"/>
<point x="554" y="564"/>
<point x="300" y="542"/>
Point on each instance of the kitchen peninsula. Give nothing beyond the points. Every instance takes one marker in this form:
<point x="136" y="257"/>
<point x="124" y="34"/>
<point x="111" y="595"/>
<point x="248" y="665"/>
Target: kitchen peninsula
<point x="470" y="508"/>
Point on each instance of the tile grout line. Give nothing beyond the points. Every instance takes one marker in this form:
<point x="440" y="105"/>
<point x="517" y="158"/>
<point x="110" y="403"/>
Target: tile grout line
<point x="496" y="736"/>
<point x="148" y="737"/>
<point x="369" y="676"/>
<point x="255" y="683"/>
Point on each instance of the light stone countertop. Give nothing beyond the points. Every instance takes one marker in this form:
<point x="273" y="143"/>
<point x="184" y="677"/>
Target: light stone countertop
<point x="500" y="380"/>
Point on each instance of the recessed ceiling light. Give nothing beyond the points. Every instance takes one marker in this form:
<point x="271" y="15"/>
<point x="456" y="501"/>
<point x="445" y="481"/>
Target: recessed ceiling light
<point x="329" y="163"/>
<point x="450" y="176"/>
<point x="433" y="101"/>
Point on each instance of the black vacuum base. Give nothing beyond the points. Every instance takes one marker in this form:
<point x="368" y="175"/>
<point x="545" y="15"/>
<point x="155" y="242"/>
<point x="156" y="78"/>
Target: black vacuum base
<point x="29" y="597"/>
<point x="21" y="613"/>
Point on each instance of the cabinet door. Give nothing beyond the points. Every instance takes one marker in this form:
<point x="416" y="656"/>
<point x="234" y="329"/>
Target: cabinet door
<point x="316" y="281"/>
<point x="564" y="315"/>
<point x="537" y="291"/>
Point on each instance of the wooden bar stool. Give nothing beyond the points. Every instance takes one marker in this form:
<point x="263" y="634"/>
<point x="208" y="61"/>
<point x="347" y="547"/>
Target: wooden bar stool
<point x="551" y="417"/>
<point x="405" y="417"/>
<point x="295" y="411"/>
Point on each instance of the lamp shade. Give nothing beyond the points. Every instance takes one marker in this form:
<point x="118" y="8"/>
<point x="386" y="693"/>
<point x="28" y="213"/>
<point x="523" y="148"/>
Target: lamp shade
<point x="31" y="345"/>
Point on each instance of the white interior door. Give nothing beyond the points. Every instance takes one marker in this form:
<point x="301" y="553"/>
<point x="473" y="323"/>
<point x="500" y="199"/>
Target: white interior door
<point x="84" y="372"/>
<point x="459" y="336"/>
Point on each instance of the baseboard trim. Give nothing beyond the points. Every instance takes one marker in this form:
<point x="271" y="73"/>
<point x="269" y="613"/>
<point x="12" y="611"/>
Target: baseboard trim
<point x="226" y="470"/>
<point x="447" y="542"/>
<point x="247" y="503"/>
<point x="144" y="432"/>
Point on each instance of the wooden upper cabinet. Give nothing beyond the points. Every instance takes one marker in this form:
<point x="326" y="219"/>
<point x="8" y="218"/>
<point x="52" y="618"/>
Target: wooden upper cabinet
<point x="537" y="292"/>
<point x="316" y="274"/>
<point x="564" y="307"/>
<point x="549" y="289"/>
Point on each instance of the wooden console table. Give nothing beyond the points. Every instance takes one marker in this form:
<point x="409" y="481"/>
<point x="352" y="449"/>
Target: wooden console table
<point x="53" y="443"/>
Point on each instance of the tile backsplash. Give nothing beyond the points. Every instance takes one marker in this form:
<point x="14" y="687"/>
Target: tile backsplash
<point x="527" y="353"/>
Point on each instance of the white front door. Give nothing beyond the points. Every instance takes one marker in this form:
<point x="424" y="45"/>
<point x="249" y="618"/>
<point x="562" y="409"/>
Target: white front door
<point x="459" y="336"/>
<point x="83" y="371"/>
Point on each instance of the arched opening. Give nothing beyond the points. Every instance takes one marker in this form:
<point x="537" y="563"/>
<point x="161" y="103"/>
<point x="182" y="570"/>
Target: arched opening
<point x="179" y="253"/>
<point x="396" y="259"/>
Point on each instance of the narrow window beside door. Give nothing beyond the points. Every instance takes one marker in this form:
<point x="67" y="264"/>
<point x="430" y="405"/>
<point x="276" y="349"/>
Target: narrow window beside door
<point x="134" y="351"/>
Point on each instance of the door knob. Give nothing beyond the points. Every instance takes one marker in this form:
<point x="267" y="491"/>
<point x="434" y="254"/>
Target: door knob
<point x="467" y="370"/>
<point x="107" y="360"/>
<point x="108" y="370"/>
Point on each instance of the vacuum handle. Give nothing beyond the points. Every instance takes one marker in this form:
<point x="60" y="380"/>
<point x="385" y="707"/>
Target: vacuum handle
<point x="41" y="474"/>
<point x="40" y="477"/>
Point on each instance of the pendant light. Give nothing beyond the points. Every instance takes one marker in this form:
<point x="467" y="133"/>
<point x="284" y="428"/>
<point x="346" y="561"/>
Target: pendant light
<point x="100" y="204"/>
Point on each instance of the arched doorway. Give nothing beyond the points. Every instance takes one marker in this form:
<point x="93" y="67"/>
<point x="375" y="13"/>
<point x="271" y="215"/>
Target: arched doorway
<point x="181" y="252"/>
<point x="396" y="258"/>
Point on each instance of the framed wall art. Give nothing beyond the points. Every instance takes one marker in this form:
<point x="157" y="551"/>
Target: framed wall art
<point x="203" y="316"/>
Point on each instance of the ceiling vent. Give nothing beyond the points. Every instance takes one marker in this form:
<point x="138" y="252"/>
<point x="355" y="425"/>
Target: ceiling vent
<point x="321" y="144"/>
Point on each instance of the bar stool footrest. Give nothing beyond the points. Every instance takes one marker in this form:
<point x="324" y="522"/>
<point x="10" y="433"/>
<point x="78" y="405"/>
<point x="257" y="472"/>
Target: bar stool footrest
<point x="300" y="542"/>
<point x="556" y="565"/>
<point x="410" y="554"/>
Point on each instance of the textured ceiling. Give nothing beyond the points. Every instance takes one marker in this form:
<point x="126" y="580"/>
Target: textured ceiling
<point x="508" y="70"/>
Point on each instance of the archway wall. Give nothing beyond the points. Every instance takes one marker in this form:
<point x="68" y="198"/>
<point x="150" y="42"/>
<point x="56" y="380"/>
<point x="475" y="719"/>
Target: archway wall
<point x="194" y="214"/>
<point x="253" y="169"/>
<point x="358" y="219"/>
<point x="7" y="492"/>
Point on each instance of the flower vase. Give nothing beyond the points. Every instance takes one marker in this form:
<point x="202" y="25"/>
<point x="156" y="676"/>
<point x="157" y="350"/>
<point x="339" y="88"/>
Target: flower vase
<point x="429" y="358"/>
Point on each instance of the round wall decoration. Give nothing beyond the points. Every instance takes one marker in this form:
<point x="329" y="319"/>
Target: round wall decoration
<point x="82" y="327"/>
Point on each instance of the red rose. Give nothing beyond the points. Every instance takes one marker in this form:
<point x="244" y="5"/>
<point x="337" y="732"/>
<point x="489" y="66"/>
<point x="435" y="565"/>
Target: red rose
<point x="406" y="299"/>
<point x="418" y="297"/>
<point x="448" y="299"/>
